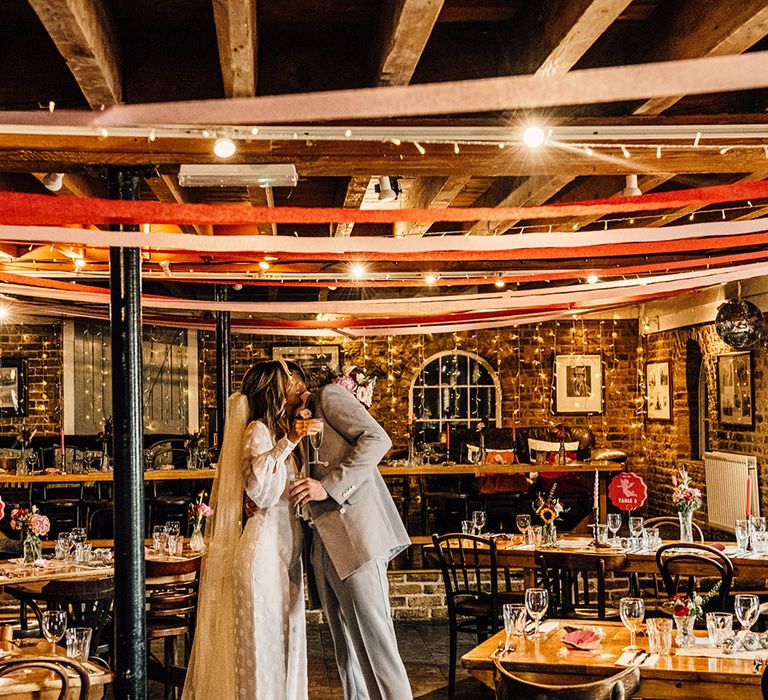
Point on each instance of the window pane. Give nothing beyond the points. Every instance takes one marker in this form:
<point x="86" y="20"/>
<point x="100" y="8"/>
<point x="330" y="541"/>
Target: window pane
<point x="480" y="374"/>
<point x="431" y="375"/>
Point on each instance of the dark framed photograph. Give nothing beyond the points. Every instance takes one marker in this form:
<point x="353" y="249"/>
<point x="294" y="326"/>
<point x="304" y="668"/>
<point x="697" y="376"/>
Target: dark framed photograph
<point x="317" y="361"/>
<point x="13" y="387"/>
<point x="578" y="384"/>
<point x="658" y="387"/>
<point x="735" y="390"/>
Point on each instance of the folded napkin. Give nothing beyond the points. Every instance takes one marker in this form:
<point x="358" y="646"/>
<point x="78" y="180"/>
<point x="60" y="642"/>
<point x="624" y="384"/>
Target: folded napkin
<point x="582" y="639"/>
<point x="549" y="626"/>
<point x="704" y="649"/>
<point x="573" y="544"/>
<point x="629" y="658"/>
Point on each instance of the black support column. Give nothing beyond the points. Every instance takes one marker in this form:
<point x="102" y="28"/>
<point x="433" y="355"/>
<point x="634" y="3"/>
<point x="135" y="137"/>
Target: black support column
<point x="128" y="421"/>
<point x="223" y="362"/>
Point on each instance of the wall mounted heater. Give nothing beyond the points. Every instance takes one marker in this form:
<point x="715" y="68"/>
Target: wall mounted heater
<point x="225" y="175"/>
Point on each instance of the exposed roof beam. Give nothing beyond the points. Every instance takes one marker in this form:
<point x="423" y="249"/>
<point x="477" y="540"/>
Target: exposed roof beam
<point x="263" y="197"/>
<point x="431" y="193"/>
<point x="353" y="198"/>
<point x="236" y="36"/>
<point x="406" y="29"/>
<point x="694" y="28"/>
<point x="77" y="185"/>
<point x="166" y="188"/>
<point x="85" y="37"/>
<point x="555" y="34"/>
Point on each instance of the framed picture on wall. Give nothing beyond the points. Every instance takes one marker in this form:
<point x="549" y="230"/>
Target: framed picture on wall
<point x="735" y="390"/>
<point x="13" y="387"/>
<point x="658" y="386"/>
<point x="315" y="360"/>
<point x="578" y="384"/>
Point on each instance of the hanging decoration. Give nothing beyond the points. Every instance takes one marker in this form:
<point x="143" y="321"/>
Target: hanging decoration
<point x="739" y="323"/>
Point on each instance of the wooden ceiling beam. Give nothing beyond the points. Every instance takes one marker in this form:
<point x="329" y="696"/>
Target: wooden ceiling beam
<point x="237" y="37"/>
<point x="353" y="198"/>
<point x="263" y="197"/>
<point x="406" y="28"/>
<point x="78" y="185"/>
<point x="86" y="39"/>
<point x="430" y="193"/>
<point x="167" y="189"/>
<point x="696" y="28"/>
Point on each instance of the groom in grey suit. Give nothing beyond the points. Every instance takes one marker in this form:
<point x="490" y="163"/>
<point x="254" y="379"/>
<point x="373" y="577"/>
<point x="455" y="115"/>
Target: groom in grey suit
<point x="356" y="532"/>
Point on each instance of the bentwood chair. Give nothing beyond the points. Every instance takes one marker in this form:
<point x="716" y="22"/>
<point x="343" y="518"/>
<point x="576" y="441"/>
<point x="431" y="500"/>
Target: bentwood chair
<point x="568" y="578"/>
<point x="669" y="528"/>
<point x="677" y="560"/>
<point x="60" y="666"/>
<point x="617" y="687"/>
<point x="471" y="580"/>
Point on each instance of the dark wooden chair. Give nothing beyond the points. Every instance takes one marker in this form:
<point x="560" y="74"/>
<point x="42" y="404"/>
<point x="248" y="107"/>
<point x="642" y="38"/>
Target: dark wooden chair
<point x="60" y="666"/>
<point x="764" y="683"/>
<point x="669" y="528"/>
<point x="171" y="587"/>
<point x="576" y="583"/>
<point x="617" y="687"/>
<point x="471" y="579"/>
<point x="675" y="562"/>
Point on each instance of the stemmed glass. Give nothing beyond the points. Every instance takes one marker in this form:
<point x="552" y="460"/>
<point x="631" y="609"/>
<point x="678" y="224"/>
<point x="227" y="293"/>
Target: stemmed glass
<point x="536" y="603"/>
<point x="78" y="535"/>
<point x="316" y="439"/>
<point x="523" y="523"/>
<point x="742" y="535"/>
<point x="478" y="521"/>
<point x="54" y="626"/>
<point x="747" y="609"/>
<point x="636" y="528"/>
<point x="159" y="539"/>
<point x="632" y="611"/>
<point x="613" y="521"/>
<point x="173" y="528"/>
<point x="32" y="459"/>
<point x="65" y="545"/>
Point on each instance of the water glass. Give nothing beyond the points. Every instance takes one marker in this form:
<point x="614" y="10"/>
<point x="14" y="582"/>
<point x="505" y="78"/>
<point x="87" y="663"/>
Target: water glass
<point x="747" y="609"/>
<point x="632" y="611"/>
<point x="515" y="617"/>
<point x="523" y="523"/>
<point x="534" y="535"/>
<point x="536" y="604"/>
<point x="756" y="523"/>
<point x="613" y="521"/>
<point x="159" y="539"/>
<point x="64" y="545"/>
<point x="466" y="527"/>
<point x="478" y="521"/>
<point x="659" y="635"/>
<point x="742" y="535"/>
<point x="719" y="627"/>
<point x="760" y="542"/>
<point x="54" y="626"/>
<point x="83" y="553"/>
<point x="171" y="544"/>
<point x="654" y="538"/>
<point x="601" y="534"/>
<point x="78" y="643"/>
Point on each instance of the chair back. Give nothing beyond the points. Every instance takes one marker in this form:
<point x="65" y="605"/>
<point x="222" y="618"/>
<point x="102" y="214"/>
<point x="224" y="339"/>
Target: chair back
<point x="669" y="528"/>
<point x="465" y="562"/>
<point x="677" y="561"/>
<point x="618" y="687"/>
<point x="568" y="576"/>
<point x="58" y="665"/>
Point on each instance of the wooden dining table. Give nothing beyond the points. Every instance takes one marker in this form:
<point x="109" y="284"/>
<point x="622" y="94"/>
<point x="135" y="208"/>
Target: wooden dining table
<point x="56" y="477"/>
<point x="667" y="677"/>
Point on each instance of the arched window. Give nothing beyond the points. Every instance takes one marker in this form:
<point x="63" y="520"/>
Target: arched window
<point x="457" y="388"/>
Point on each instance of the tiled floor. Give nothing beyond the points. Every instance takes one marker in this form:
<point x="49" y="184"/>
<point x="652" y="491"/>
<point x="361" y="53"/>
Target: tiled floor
<point x="424" y="649"/>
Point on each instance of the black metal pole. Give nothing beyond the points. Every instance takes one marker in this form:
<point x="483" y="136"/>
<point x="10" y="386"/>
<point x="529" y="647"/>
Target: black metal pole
<point x="128" y="426"/>
<point x="223" y="351"/>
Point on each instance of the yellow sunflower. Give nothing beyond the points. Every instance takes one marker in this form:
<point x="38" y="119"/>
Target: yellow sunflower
<point x="547" y="515"/>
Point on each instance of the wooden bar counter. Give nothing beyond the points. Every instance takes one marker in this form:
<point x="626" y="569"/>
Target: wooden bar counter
<point x="495" y="469"/>
<point x="152" y="475"/>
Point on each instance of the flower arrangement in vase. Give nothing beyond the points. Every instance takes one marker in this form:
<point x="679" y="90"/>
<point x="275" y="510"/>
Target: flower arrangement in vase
<point x="28" y="458"/>
<point x="549" y="509"/>
<point x="359" y="384"/>
<point x="685" y="610"/>
<point x="195" y="446"/>
<point x="197" y="511"/>
<point x="33" y="526"/>
<point x="686" y="500"/>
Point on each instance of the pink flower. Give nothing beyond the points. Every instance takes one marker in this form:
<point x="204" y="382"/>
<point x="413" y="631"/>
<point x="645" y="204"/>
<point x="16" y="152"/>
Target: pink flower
<point x="347" y="382"/>
<point x="39" y="524"/>
<point x="674" y="480"/>
<point x="204" y="510"/>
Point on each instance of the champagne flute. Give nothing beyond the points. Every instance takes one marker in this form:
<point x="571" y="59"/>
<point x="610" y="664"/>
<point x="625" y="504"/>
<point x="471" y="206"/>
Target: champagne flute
<point x="54" y="626"/>
<point x="536" y="603"/>
<point x="742" y="535"/>
<point x="316" y="439"/>
<point x="632" y="612"/>
<point x="523" y="523"/>
<point x="478" y="521"/>
<point x="747" y="609"/>
<point x="636" y="529"/>
<point x="614" y="523"/>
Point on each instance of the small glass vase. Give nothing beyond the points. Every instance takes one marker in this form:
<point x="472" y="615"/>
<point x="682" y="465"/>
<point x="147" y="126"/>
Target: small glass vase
<point x="104" y="466"/>
<point x="32" y="547"/>
<point x="549" y="534"/>
<point x="196" y="541"/>
<point x="192" y="458"/>
<point x="684" y="634"/>
<point x="686" y="526"/>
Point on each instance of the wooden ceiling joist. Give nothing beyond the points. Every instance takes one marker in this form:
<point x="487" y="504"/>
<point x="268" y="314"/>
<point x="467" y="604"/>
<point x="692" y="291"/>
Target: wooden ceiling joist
<point x="237" y="38"/>
<point x="86" y="39"/>
<point x="431" y="193"/>
<point x="263" y="197"/>
<point x="167" y="189"/>
<point x="353" y="198"/>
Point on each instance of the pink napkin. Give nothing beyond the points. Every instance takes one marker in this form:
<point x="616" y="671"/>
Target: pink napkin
<point x="717" y="545"/>
<point x="582" y="639"/>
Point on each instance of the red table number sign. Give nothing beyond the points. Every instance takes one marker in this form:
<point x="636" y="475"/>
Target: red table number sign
<point x="627" y="491"/>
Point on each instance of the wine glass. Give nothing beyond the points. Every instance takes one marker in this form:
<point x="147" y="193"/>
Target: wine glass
<point x="65" y="545"/>
<point x="632" y="611"/>
<point x="32" y="460"/>
<point x="316" y="439"/>
<point x="54" y="626"/>
<point x="747" y="609"/>
<point x="523" y="523"/>
<point x="636" y="528"/>
<point x="159" y="539"/>
<point x="614" y="523"/>
<point x="742" y="535"/>
<point x="478" y="521"/>
<point x="173" y="527"/>
<point x="78" y="535"/>
<point x="536" y="603"/>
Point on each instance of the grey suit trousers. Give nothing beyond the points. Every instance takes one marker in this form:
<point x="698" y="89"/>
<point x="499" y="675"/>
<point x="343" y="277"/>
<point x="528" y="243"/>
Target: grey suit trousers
<point x="361" y="626"/>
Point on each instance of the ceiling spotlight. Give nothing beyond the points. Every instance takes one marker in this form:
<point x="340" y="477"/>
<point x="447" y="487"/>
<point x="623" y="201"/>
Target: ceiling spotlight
<point x="166" y="267"/>
<point x="53" y="181"/>
<point x="630" y="187"/>
<point x="237" y="287"/>
<point x="534" y="136"/>
<point x="593" y="279"/>
<point x="4" y="312"/>
<point x="387" y="189"/>
<point x="224" y="147"/>
<point x="500" y="283"/>
<point x="430" y="279"/>
<point x="358" y="271"/>
<point x="79" y="264"/>
<point x="263" y="265"/>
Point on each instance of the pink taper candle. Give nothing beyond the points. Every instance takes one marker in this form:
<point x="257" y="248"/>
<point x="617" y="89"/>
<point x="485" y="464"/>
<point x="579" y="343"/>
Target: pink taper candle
<point x="596" y="505"/>
<point x="747" y="509"/>
<point x="447" y="440"/>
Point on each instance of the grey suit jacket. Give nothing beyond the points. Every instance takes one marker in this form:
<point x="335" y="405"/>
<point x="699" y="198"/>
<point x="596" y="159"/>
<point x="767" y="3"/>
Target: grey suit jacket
<point x="360" y="520"/>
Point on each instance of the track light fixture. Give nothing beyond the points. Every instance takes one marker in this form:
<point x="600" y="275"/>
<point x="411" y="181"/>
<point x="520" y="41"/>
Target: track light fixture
<point x="630" y="187"/>
<point x="388" y="189"/>
<point x="53" y="181"/>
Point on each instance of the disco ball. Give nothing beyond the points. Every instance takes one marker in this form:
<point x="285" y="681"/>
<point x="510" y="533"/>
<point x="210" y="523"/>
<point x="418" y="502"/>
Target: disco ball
<point x="739" y="323"/>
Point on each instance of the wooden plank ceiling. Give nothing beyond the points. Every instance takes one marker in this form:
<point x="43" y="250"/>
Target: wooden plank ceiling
<point x="96" y="53"/>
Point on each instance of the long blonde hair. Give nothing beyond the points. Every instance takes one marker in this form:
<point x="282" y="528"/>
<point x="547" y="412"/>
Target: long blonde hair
<point x="265" y="385"/>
